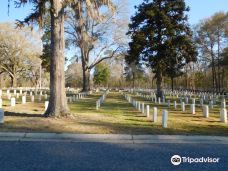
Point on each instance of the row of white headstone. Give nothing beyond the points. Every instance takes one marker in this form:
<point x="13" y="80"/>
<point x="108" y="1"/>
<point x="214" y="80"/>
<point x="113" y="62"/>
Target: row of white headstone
<point x="204" y="95"/>
<point x="23" y="100"/>
<point x="101" y="100"/>
<point x="223" y="110"/>
<point x="21" y="91"/>
<point x="17" y="95"/>
<point x="211" y="101"/>
<point x="75" y="97"/>
<point x="32" y="98"/>
<point x="181" y="97"/>
<point x="140" y="107"/>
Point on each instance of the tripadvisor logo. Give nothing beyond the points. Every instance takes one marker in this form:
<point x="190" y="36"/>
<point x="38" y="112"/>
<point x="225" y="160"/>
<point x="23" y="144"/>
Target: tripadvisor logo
<point x="176" y="160"/>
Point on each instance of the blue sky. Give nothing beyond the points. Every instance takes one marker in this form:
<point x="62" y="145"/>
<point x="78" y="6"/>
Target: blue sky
<point x="200" y="9"/>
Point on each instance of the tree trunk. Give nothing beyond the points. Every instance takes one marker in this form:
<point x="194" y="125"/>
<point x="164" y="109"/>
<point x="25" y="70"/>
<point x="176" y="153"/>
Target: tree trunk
<point x="159" y="83"/>
<point x="86" y="80"/>
<point x="133" y="80"/>
<point x="218" y="65"/>
<point x="214" y="76"/>
<point x="57" y="102"/>
<point x="172" y="82"/>
<point x="13" y="81"/>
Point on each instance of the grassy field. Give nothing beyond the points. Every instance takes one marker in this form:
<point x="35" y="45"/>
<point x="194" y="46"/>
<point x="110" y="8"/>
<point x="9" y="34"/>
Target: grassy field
<point x="115" y="116"/>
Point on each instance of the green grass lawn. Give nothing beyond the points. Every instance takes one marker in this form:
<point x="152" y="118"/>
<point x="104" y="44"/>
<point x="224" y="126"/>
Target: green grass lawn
<point x="115" y="116"/>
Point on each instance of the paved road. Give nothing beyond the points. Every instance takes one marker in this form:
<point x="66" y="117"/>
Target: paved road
<point x="47" y="155"/>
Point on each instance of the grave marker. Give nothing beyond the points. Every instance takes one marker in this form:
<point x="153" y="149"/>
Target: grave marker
<point x="1" y="116"/>
<point x="147" y="111"/>
<point x="155" y="113"/>
<point x="164" y="118"/>
<point x="223" y="115"/>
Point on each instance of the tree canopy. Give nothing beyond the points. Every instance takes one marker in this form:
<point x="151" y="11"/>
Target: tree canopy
<point x="161" y="38"/>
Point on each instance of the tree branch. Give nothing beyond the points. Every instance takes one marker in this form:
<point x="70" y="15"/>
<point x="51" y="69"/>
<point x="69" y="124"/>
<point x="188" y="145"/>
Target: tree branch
<point x="100" y="60"/>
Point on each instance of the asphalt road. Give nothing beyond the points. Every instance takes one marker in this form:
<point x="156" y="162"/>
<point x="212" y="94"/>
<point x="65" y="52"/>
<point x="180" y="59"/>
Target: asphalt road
<point x="60" y="156"/>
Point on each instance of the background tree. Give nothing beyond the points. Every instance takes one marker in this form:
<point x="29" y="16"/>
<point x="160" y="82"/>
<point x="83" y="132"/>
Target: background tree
<point x="224" y="68"/>
<point x="211" y="37"/>
<point x="133" y="72"/>
<point x="116" y="79"/>
<point x="19" y="51"/>
<point x="160" y="31"/>
<point x="101" y="74"/>
<point x="74" y="75"/>
<point x="95" y="33"/>
<point x="46" y="39"/>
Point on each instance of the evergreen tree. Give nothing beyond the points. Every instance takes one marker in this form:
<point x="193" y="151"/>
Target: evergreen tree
<point x="101" y="74"/>
<point x="161" y="38"/>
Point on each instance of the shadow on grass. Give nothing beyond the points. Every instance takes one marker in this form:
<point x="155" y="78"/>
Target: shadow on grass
<point x="149" y="128"/>
<point x="23" y="114"/>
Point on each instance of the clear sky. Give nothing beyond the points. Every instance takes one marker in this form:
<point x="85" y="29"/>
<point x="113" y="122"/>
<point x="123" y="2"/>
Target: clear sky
<point x="199" y="9"/>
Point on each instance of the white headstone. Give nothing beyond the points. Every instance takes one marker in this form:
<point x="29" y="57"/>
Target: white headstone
<point x="164" y="118"/>
<point x="175" y="104"/>
<point x="32" y="98"/>
<point x="182" y="106"/>
<point x="223" y="115"/>
<point x="206" y="111"/>
<point x="15" y="92"/>
<point x="192" y="109"/>
<point x="23" y="99"/>
<point x="0" y="93"/>
<point x="0" y="103"/>
<point x="159" y="100"/>
<point x="147" y="111"/>
<point x="13" y="102"/>
<point x="155" y="113"/>
<point x="46" y="105"/>
<point x="139" y="106"/>
<point x="1" y="116"/>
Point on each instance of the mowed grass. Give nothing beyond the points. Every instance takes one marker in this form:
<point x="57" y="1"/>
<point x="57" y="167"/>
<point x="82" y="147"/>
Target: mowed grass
<point x="115" y="116"/>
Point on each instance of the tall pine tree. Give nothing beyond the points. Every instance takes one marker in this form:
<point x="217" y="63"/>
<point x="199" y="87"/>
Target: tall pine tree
<point x="161" y="38"/>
